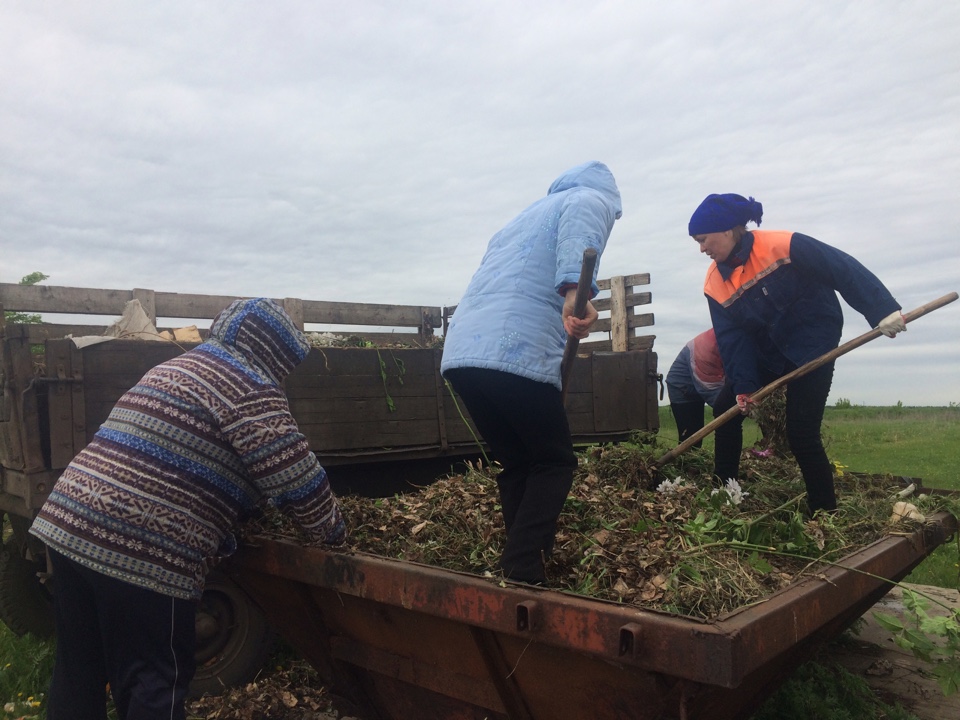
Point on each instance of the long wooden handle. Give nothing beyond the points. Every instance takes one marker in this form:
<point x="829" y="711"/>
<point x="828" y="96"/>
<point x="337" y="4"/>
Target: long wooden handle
<point x="584" y="286"/>
<point x="802" y="370"/>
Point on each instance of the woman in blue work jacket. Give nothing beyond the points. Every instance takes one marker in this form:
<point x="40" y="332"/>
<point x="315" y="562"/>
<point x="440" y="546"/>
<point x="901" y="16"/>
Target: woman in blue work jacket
<point x="773" y="301"/>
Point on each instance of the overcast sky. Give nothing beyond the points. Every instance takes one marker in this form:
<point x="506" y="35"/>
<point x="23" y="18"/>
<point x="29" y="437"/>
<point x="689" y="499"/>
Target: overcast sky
<point x="366" y="151"/>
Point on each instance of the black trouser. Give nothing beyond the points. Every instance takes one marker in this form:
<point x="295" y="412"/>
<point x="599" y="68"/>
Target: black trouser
<point x="689" y="419"/>
<point x="139" y="641"/>
<point x="806" y="401"/>
<point x="728" y="439"/>
<point x="525" y="425"/>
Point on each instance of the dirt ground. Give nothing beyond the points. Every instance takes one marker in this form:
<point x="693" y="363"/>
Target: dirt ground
<point x="894" y="673"/>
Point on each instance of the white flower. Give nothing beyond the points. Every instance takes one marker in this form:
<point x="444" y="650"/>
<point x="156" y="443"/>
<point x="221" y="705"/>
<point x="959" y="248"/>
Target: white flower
<point x="735" y="493"/>
<point x="672" y="487"/>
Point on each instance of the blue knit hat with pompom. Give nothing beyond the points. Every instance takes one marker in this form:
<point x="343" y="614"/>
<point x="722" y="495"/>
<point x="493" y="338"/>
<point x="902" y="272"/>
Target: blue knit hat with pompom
<point x="719" y="213"/>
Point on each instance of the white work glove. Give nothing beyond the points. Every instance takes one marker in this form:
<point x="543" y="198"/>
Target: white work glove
<point x="892" y="324"/>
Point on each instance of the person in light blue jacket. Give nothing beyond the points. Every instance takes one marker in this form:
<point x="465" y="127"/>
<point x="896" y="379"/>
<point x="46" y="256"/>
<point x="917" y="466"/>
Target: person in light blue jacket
<point x="503" y="348"/>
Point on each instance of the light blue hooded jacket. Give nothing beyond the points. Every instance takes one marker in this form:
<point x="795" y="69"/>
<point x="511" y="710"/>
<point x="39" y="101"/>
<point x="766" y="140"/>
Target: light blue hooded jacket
<point x="510" y="317"/>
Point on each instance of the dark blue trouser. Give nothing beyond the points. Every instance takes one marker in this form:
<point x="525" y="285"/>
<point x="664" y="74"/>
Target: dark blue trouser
<point x="806" y="401"/>
<point x="139" y="641"/>
<point x="524" y="423"/>
<point x="728" y="438"/>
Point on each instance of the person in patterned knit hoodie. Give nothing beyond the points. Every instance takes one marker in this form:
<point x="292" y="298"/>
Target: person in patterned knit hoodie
<point x="149" y="505"/>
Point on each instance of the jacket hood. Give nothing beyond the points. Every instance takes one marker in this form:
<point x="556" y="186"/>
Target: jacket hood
<point x="594" y="175"/>
<point x="262" y="332"/>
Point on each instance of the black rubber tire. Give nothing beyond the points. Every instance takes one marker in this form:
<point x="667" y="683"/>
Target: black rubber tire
<point x="233" y="638"/>
<point x="26" y="605"/>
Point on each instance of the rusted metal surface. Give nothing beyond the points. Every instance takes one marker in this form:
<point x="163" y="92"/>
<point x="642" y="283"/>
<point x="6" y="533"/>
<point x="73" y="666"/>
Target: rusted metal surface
<point x="404" y="640"/>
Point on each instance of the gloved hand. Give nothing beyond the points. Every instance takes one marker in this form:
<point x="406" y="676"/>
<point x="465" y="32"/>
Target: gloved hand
<point x="892" y="324"/>
<point x="745" y="404"/>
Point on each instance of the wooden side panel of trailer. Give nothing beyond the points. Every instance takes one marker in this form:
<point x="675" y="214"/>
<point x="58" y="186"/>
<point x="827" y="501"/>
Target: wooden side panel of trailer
<point x="353" y="404"/>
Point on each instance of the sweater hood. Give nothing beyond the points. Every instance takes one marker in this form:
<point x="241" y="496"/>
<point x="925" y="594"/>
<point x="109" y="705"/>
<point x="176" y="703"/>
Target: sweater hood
<point x="594" y="175"/>
<point x="263" y="334"/>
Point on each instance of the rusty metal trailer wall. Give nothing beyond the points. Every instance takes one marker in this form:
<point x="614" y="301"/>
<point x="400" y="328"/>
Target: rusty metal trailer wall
<point x="397" y="640"/>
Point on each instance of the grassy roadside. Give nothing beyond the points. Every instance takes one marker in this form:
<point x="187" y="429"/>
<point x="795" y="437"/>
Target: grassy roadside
<point x="914" y="442"/>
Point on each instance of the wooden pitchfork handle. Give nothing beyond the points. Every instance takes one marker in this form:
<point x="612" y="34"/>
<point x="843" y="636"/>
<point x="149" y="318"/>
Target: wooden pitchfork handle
<point x="584" y="287"/>
<point x="802" y="370"/>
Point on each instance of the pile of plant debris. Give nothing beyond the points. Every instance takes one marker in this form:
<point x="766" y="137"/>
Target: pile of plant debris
<point x="346" y="340"/>
<point x="291" y="691"/>
<point x="666" y="539"/>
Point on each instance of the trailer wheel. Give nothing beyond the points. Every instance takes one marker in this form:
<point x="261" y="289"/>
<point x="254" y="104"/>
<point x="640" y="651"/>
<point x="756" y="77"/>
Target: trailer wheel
<point x="26" y="605"/>
<point x="233" y="637"/>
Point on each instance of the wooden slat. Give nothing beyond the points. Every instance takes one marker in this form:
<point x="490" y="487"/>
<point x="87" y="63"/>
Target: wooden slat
<point x="80" y="430"/>
<point x="339" y="313"/>
<point x="60" y="403"/>
<point x="619" y="312"/>
<point x="365" y="362"/>
<point x="26" y="412"/>
<point x="100" y="301"/>
<point x="643" y="342"/>
<point x="630" y="300"/>
<point x="354" y="435"/>
<point x="294" y="308"/>
<point x="11" y="431"/>
<point x="632" y="321"/>
<point x="440" y="388"/>
<point x="56" y="299"/>
<point x="147" y="300"/>
<point x="628" y="281"/>
<point x="374" y="411"/>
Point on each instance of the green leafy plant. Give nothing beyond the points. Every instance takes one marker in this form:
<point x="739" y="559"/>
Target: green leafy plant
<point x="384" y="375"/>
<point x="933" y="639"/>
<point x="26" y="318"/>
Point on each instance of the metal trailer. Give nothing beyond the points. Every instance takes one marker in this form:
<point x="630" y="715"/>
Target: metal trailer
<point x="395" y="640"/>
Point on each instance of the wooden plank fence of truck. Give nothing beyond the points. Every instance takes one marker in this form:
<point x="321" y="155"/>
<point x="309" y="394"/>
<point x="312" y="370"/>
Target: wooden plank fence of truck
<point x="385" y="402"/>
<point x="422" y="320"/>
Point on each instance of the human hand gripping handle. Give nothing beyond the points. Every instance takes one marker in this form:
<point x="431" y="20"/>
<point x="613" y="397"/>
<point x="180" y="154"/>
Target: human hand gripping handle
<point x="578" y="326"/>
<point x="745" y="403"/>
<point x="892" y="324"/>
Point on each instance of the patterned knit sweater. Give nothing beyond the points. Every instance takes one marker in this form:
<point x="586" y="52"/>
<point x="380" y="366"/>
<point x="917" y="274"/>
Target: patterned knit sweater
<point x="189" y="452"/>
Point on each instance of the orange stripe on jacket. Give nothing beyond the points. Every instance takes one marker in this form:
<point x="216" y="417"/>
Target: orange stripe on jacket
<point x="771" y="249"/>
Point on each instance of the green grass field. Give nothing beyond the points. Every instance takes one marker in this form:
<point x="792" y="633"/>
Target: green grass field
<point x="913" y="442"/>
